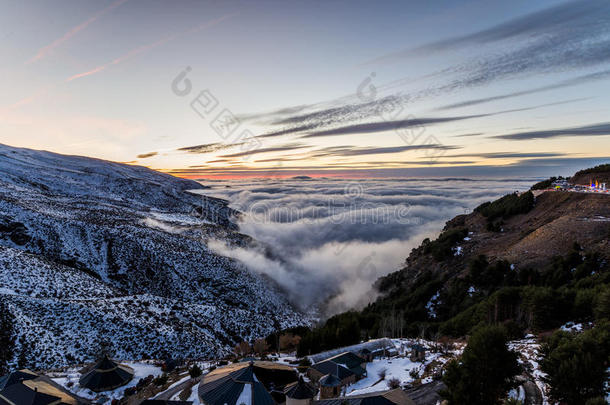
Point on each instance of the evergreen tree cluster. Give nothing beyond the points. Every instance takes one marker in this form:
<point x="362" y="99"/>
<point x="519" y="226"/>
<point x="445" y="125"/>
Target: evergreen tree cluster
<point x="576" y="364"/>
<point x="485" y="372"/>
<point x="505" y="207"/>
<point x="7" y="339"/>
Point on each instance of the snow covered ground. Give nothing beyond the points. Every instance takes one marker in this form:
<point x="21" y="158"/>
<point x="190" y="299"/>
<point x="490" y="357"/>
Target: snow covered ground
<point x="401" y="367"/>
<point x="394" y="368"/>
<point x="93" y="250"/>
<point x="529" y="356"/>
<point x="194" y="396"/>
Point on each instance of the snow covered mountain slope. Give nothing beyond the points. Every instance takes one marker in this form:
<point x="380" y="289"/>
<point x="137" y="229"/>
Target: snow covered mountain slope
<point x="94" y="251"/>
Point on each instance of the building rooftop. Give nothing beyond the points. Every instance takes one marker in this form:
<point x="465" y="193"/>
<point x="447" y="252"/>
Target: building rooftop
<point x="392" y="397"/>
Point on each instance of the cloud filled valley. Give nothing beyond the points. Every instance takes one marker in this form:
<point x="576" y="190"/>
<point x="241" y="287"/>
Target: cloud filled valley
<point x="326" y="241"/>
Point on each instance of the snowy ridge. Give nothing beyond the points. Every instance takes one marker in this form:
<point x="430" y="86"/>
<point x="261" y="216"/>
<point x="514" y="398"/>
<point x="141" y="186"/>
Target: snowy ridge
<point x="94" y="251"/>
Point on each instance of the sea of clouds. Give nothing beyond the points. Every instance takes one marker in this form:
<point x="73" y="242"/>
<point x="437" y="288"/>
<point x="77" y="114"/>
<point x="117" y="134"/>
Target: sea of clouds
<point x="326" y="241"/>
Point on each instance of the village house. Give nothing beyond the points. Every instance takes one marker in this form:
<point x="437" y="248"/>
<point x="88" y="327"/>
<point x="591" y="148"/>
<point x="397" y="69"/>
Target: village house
<point x="392" y="397"/>
<point x="299" y="393"/>
<point x="366" y="354"/>
<point x="253" y="383"/>
<point x="329" y="367"/>
<point x="337" y="372"/>
<point x="382" y="347"/>
<point x="27" y="387"/>
<point x="330" y="386"/>
<point x="106" y="375"/>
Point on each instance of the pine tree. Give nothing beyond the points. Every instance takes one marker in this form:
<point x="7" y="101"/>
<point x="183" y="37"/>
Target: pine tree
<point x="485" y="372"/>
<point x="576" y="365"/>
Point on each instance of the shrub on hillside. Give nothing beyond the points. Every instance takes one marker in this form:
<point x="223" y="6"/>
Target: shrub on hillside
<point x="544" y="184"/>
<point x="442" y="247"/>
<point x="393" y="383"/>
<point x="507" y="206"/>
<point x="195" y="371"/>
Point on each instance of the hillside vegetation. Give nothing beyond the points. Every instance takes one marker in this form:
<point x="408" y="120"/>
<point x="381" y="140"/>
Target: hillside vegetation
<point x="530" y="265"/>
<point x="600" y="173"/>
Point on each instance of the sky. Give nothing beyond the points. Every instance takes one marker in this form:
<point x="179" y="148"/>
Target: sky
<point x="207" y="89"/>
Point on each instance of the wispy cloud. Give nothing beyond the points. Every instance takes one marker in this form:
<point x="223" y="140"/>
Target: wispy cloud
<point x="605" y="74"/>
<point x="47" y="50"/>
<point x="508" y="155"/>
<point x="386" y="126"/>
<point x="579" y="19"/>
<point x="145" y="48"/>
<point x="123" y="58"/>
<point x="283" y="148"/>
<point x="147" y="155"/>
<point x="357" y="151"/>
<point x="601" y="129"/>
<point x="332" y="116"/>
<point x="208" y="147"/>
<point x="469" y="134"/>
<point x="541" y="167"/>
<point x="275" y="114"/>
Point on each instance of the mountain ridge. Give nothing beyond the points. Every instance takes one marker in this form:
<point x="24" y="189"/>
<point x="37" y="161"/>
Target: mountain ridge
<point x="141" y="238"/>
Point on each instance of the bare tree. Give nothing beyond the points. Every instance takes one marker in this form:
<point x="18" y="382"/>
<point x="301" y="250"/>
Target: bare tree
<point x="289" y="342"/>
<point x="242" y="349"/>
<point x="260" y="346"/>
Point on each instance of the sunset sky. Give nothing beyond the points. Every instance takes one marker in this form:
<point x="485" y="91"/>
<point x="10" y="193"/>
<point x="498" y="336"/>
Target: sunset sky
<point x="339" y="88"/>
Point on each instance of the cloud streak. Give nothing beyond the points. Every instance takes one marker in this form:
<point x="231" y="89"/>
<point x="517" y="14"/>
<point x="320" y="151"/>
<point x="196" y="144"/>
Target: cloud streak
<point x="387" y="126"/>
<point x="601" y="129"/>
<point x="208" y="147"/>
<point x="47" y="50"/>
<point x="145" y="48"/>
<point x="576" y="17"/>
<point x="358" y="151"/>
<point x="565" y="83"/>
<point x="283" y="148"/>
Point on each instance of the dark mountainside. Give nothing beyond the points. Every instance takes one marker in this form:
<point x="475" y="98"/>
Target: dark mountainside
<point x="95" y="253"/>
<point x="530" y="263"/>
<point x="600" y="173"/>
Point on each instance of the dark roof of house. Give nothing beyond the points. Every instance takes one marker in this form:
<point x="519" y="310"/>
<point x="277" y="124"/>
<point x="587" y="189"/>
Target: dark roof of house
<point x="349" y="360"/>
<point x="226" y="384"/>
<point x="330" y="380"/>
<point x="164" y="402"/>
<point x="418" y="348"/>
<point x="106" y="375"/>
<point x="330" y="367"/>
<point x="377" y="345"/>
<point x="392" y="397"/>
<point x="34" y="391"/>
<point x="16" y="376"/>
<point x="300" y="390"/>
<point x="23" y="395"/>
